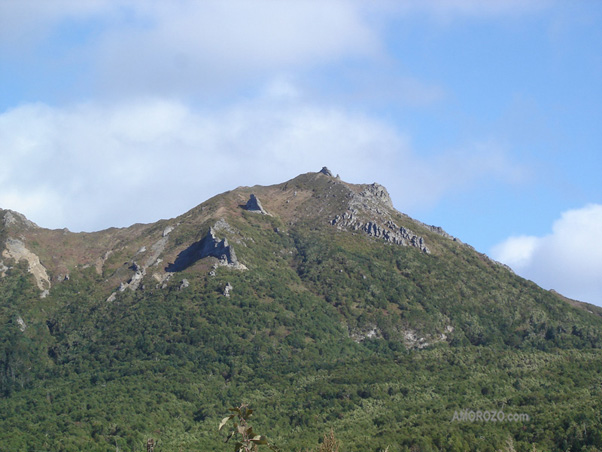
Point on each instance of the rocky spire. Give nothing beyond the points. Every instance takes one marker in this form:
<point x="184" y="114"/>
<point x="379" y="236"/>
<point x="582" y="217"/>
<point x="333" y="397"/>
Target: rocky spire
<point x="253" y="205"/>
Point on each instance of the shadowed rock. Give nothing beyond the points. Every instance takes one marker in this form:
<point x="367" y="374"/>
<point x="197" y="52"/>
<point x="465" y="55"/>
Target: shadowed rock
<point x="326" y="171"/>
<point x="253" y="205"/>
<point x="209" y="246"/>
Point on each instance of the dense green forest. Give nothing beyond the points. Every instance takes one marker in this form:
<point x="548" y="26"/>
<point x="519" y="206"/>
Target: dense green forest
<point x="386" y="345"/>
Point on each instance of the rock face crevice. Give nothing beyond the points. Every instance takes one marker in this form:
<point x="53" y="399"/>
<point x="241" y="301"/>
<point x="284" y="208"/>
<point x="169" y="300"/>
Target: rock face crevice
<point x="209" y="246"/>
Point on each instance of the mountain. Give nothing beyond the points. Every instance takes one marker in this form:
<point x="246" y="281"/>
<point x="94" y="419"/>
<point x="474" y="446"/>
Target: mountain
<point x="315" y="301"/>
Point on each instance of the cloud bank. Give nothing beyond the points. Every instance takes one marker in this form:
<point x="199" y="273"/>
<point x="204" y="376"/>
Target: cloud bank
<point x="568" y="260"/>
<point x="207" y="48"/>
<point x="92" y="166"/>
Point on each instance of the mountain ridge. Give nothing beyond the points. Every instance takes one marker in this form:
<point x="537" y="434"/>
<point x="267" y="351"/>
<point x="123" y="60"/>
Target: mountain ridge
<point x="365" y="208"/>
<point x="315" y="300"/>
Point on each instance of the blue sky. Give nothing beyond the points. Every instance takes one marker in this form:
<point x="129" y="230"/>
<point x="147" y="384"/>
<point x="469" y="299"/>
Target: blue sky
<point x="480" y="117"/>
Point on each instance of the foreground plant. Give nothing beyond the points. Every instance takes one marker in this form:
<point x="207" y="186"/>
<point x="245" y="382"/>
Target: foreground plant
<point x="249" y="441"/>
<point x="330" y="443"/>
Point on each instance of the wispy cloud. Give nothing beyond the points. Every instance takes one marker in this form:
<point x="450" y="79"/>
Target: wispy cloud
<point x="188" y="47"/>
<point x="35" y="18"/>
<point x="568" y="260"/>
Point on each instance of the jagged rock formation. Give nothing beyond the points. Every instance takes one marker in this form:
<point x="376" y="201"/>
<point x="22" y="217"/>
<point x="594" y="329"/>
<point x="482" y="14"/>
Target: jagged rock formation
<point x="389" y="232"/>
<point x="326" y="171"/>
<point x="12" y="218"/>
<point x="438" y="230"/>
<point x="212" y="246"/>
<point x="209" y="246"/>
<point x="134" y="282"/>
<point x="373" y="198"/>
<point x="254" y="205"/>
<point x="369" y="211"/>
<point x="152" y="258"/>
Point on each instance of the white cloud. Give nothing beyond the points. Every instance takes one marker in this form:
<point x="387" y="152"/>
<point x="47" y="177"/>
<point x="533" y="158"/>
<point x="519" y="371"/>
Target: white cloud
<point x="568" y="260"/>
<point x="92" y="166"/>
<point x="196" y="46"/>
<point x="279" y="27"/>
<point x="212" y="47"/>
<point x="516" y="251"/>
<point x="178" y="48"/>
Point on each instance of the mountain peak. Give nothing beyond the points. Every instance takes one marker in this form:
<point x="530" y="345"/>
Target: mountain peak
<point x="325" y="171"/>
<point x="330" y="277"/>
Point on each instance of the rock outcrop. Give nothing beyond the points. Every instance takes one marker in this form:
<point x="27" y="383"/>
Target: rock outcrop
<point x="389" y="231"/>
<point x="21" y="323"/>
<point x="370" y="211"/>
<point x="151" y="258"/>
<point x="438" y="230"/>
<point x="12" y="218"/>
<point x="373" y="198"/>
<point x="227" y="290"/>
<point x="134" y="282"/>
<point x="212" y="246"/>
<point x="209" y="246"/>
<point x="325" y="171"/>
<point x="254" y="205"/>
<point x="15" y="249"/>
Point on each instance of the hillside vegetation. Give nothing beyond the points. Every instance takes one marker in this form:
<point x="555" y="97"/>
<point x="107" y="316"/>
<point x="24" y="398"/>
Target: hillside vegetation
<point x="320" y="324"/>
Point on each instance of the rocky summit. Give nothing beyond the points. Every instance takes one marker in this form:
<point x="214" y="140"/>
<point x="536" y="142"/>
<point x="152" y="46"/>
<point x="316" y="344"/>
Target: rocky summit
<point x="313" y="300"/>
